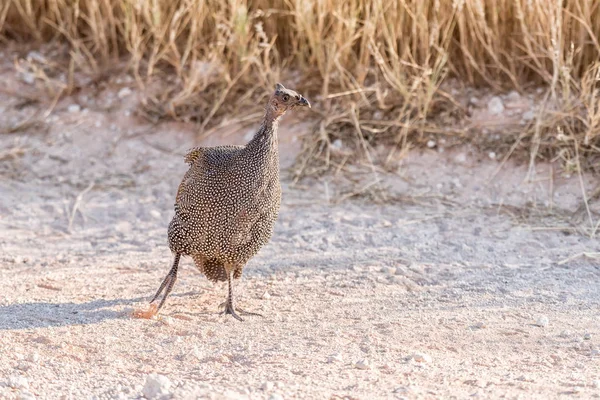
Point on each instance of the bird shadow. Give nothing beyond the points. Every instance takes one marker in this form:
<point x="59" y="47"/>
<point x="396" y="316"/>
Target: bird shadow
<point x="46" y="314"/>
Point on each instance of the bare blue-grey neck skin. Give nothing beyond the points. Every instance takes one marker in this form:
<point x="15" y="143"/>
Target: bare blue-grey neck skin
<point x="279" y="103"/>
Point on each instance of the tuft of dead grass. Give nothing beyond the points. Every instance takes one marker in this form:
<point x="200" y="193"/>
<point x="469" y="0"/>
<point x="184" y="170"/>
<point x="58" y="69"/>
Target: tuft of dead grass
<point x="375" y="68"/>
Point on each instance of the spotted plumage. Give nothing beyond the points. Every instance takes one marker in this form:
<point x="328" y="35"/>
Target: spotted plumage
<point x="228" y="202"/>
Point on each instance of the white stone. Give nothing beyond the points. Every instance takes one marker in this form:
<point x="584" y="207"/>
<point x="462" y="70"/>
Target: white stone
<point x="36" y="56"/>
<point x="27" y="78"/>
<point x="431" y="144"/>
<point x="460" y="158"/>
<point x="267" y="386"/>
<point x="587" y="336"/>
<point x="333" y="358"/>
<point x="124" y="92"/>
<point x="492" y="155"/>
<point x="362" y="364"/>
<point x="25" y="395"/>
<point x="155" y="214"/>
<point x="74" y="108"/>
<point x="400" y="271"/>
<point x="542" y="321"/>
<point x="156" y="386"/>
<point x="276" y="396"/>
<point x="18" y="382"/>
<point x="266" y="295"/>
<point x="528" y="116"/>
<point x="23" y="366"/>
<point x="513" y="95"/>
<point x="421" y="357"/>
<point x="565" y="334"/>
<point x="495" y="105"/>
<point x="337" y="144"/>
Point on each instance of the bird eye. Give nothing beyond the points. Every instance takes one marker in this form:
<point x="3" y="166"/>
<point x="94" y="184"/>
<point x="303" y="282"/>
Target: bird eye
<point x="285" y="97"/>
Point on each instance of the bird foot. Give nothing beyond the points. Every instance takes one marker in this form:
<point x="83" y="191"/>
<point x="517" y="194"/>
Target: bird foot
<point x="229" y="309"/>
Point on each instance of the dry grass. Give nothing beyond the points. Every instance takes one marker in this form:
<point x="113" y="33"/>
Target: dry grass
<point x="374" y="68"/>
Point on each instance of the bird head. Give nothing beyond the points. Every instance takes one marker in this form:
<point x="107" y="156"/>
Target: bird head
<point x="284" y="99"/>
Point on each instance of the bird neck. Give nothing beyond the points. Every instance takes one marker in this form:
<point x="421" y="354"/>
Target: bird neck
<point x="265" y="139"/>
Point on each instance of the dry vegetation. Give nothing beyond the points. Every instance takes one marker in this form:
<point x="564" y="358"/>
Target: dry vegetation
<point x="376" y="69"/>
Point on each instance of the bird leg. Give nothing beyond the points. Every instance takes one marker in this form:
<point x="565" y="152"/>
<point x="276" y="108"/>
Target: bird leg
<point x="228" y="304"/>
<point x="168" y="282"/>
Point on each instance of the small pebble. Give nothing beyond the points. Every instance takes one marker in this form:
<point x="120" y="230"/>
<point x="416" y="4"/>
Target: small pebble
<point x="23" y="366"/>
<point x="25" y="395"/>
<point x="587" y="336"/>
<point x="385" y="223"/>
<point x="528" y="116"/>
<point x="74" y="108"/>
<point x="461" y="158"/>
<point x="18" y="382"/>
<point x="565" y="334"/>
<point x="267" y="386"/>
<point x="421" y="357"/>
<point x="276" y="396"/>
<point x="124" y="92"/>
<point x="155" y="214"/>
<point x="513" y="95"/>
<point x="596" y="384"/>
<point x="333" y="358"/>
<point x="266" y="295"/>
<point x="474" y="101"/>
<point x="495" y="106"/>
<point x="480" y="325"/>
<point x="27" y="78"/>
<point x="156" y="386"/>
<point x="37" y="57"/>
<point x="337" y="144"/>
<point x="492" y="155"/>
<point x="542" y="321"/>
<point x="431" y="144"/>
<point x="362" y="364"/>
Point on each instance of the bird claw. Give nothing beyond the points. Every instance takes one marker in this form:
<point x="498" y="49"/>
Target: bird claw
<point x="229" y="309"/>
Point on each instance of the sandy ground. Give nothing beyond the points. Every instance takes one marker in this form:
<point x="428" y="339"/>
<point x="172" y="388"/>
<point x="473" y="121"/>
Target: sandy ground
<point x="464" y="284"/>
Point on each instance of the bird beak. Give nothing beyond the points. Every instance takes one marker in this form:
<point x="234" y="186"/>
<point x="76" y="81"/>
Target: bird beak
<point x="304" y="102"/>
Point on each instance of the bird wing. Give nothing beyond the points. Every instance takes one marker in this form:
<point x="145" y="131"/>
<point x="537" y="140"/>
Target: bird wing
<point x="211" y="155"/>
<point x="206" y="165"/>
